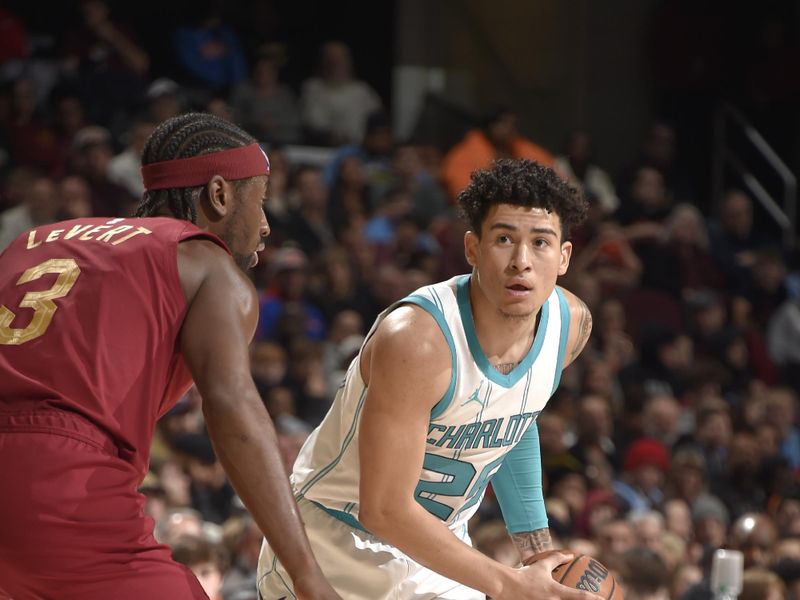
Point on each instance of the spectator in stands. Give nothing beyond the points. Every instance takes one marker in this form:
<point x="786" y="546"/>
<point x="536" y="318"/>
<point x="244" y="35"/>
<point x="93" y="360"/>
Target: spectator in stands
<point x="39" y="205"/>
<point x="307" y="224"/>
<point x="734" y="239"/>
<point x="497" y="137"/>
<point x="286" y="297"/>
<point x="209" y="51"/>
<point x="124" y="168"/>
<point x="206" y="561"/>
<point x="783" y="339"/>
<point x="641" y="484"/>
<point x="76" y="197"/>
<point x="211" y="493"/>
<point x="577" y="165"/>
<point x="754" y="534"/>
<point x="646" y="576"/>
<point x="263" y="104"/>
<point x="106" y="59"/>
<point x="31" y="142"/>
<point x="164" y="100"/>
<point x="242" y="539"/>
<point x="92" y="154"/>
<point x="335" y="104"/>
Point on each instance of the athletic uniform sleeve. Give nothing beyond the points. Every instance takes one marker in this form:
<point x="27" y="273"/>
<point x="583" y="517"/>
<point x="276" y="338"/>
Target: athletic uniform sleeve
<point x="518" y="485"/>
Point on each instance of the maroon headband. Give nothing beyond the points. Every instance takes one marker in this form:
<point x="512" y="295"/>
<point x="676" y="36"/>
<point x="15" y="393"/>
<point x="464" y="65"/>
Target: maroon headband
<point x="236" y="163"/>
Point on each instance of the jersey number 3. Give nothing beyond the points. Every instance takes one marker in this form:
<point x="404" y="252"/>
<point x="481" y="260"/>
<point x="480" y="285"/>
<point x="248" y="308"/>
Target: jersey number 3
<point x="41" y="302"/>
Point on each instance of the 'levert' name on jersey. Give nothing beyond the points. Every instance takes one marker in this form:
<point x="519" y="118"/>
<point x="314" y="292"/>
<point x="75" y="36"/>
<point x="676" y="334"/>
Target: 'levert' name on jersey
<point x="111" y="233"/>
<point x="492" y="433"/>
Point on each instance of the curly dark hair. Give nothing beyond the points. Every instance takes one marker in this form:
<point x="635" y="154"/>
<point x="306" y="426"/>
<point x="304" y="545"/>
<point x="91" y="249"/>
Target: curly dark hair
<point x="523" y="183"/>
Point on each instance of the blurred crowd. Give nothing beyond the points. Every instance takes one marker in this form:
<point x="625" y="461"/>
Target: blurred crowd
<point x="674" y="434"/>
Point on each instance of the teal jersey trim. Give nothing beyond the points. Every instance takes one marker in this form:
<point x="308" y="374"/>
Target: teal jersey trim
<point x="488" y="370"/>
<point x="344" y="517"/>
<point x="347" y="439"/>
<point x="563" y="307"/>
<point x="438" y="315"/>
<point x="518" y="485"/>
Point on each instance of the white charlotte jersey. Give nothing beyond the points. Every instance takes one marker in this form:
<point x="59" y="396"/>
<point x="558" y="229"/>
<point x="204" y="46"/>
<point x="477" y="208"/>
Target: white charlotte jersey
<point x="472" y="428"/>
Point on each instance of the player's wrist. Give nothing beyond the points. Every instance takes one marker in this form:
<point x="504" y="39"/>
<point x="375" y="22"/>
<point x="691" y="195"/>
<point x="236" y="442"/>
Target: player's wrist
<point x="502" y="581"/>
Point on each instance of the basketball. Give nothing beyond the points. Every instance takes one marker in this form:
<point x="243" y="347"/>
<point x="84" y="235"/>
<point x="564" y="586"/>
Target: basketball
<point x="587" y="573"/>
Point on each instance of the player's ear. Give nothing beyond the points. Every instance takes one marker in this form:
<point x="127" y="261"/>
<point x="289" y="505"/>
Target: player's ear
<point x="471" y="247"/>
<point x="219" y="196"/>
<point x="566" y="254"/>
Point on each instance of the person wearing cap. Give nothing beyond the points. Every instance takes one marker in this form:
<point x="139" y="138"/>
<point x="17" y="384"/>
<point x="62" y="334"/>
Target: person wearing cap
<point x="104" y="325"/>
<point x="640" y="486"/>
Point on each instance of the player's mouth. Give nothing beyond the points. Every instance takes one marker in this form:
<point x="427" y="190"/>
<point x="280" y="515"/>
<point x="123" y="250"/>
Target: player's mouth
<point x="518" y="290"/>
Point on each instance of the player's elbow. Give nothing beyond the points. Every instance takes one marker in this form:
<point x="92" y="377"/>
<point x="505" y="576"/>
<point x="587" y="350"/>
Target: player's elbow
<point x="380" y="517"/>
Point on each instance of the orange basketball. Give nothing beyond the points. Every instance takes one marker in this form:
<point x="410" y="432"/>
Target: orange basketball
<point x="587" y="573"/>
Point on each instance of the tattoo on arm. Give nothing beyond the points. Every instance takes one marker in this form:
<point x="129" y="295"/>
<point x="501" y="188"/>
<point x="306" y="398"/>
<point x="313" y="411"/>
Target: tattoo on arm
<point x="532" y="542"/>
<point x="584" y="330"/>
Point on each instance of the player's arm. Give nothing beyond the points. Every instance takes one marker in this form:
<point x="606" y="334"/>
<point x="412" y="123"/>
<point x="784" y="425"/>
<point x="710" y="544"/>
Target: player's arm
<point x="217" y="329"/>
<point x="408" y="373"/>
<point x="580" y="327"/>
<point x="518" y="488"/>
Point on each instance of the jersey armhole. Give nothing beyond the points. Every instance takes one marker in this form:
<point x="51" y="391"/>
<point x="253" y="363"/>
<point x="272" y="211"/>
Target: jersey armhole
<point x="438" y="315"/>
<point x="563" y="306"/>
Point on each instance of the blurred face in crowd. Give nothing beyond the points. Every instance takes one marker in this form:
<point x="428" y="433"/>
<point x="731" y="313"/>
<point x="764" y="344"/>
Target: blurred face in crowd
<point x="580" y="148"/>
<point x="594" y="417"/>
<point x="678" y="354"/>
<point x="209" y="576"/>
<point x="572" y="489"/>
<point x="502" y="130"/>
<point x="42" y="201"/>
<point x="70" y="115"/>
<point x="660" y="417"/>
<point x="754" y="535"/>
<point x="616" y="537"/>
<point x="75" y="197"/>
<point x="311" y="189"/>
<point x="337" y="64"/>
<point x="660" y="145"/>
<point x="737" y="214"/>
<point x="648" y="189"/>
<point x="678" y="519"/>
<point x="715" y="431"/>
<point x="551" y="433"/>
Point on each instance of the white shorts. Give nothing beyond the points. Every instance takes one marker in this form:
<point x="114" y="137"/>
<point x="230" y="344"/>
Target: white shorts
<point x="358" y="565"/>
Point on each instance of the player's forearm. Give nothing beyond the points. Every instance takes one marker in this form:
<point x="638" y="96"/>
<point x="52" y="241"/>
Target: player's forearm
<point x="245" y="441"/>
<point x="532" y="542"/>
<point x="428" y="541"/>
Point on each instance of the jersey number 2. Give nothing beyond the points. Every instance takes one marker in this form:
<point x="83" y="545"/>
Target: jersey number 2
<point x="41" y="302"/>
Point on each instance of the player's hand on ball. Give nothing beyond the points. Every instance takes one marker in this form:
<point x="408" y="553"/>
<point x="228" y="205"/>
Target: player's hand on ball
<point x="534" y="581"/>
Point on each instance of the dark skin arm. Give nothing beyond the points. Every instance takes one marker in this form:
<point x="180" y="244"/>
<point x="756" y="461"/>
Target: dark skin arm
<point x="219" y="324"/>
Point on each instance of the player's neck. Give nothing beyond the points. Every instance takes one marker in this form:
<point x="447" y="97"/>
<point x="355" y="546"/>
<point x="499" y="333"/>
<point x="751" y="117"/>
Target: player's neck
<point x="504" y="340"/>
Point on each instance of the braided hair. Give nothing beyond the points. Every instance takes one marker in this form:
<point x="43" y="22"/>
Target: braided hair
<point x="185" y="136"/>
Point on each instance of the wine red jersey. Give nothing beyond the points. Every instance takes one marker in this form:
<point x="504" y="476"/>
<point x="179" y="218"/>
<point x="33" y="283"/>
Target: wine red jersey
<point x="90" y="313"/>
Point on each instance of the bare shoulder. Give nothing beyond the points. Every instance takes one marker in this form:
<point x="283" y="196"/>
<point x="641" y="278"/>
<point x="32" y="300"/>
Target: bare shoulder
<point x="580" y="327"/>
<point x="408" y="346"/>
<point x="202" y="261"/>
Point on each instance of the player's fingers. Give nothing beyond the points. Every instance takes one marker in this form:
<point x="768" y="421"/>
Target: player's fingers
<point x="539" y="556"/>
<point x="556" y="558"/>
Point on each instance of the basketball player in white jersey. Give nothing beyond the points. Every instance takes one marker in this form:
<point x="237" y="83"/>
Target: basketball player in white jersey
<point x="443" y="399"/>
